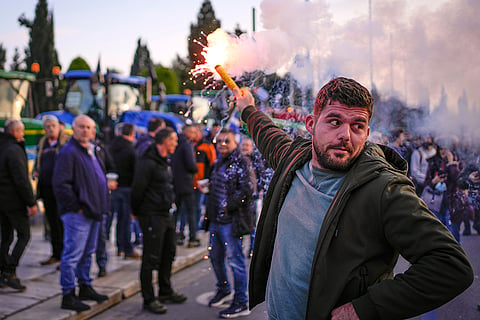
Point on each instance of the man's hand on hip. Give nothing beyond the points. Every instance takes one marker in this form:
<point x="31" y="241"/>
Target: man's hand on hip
<point x="345" y="312"/>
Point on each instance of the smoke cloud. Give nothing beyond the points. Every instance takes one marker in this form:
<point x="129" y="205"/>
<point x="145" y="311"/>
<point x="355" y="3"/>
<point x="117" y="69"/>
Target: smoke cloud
<point x="425" y="57"/>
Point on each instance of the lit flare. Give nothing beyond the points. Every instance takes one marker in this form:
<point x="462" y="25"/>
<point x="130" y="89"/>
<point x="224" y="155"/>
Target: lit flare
<point x="226" y="78"/>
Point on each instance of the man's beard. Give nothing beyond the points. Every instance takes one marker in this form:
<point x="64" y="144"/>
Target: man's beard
<point x="330" y="163"/>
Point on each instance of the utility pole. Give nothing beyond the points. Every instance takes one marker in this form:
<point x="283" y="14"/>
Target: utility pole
<point x="392" y="86"/>
<point x="370" y="41"/>
<point x="253" y="19"/>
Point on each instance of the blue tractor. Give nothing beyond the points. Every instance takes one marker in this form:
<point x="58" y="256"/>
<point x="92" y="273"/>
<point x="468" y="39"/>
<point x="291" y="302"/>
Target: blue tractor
<point x="108" y="99"/>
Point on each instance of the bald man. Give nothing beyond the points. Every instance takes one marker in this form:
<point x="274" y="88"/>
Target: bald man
<point x="80" y="187"/>
<point x="16" y="195"/>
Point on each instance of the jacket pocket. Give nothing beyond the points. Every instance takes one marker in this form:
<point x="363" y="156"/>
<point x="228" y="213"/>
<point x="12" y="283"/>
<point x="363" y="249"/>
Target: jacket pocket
<point x="356" y="286"/>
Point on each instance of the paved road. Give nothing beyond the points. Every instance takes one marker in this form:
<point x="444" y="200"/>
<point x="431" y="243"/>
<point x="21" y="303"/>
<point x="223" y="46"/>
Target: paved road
<point x="197" y="282"/>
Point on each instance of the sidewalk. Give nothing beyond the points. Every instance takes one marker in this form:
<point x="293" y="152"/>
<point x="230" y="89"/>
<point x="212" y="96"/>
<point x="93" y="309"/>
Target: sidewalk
<point x="42" y="298"/>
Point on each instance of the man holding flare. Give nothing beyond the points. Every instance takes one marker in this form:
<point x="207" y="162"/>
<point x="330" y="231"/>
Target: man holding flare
<point x="356" y="212"/>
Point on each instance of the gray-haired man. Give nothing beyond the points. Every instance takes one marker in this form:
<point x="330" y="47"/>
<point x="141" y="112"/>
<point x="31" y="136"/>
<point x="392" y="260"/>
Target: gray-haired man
<point x="16" y="195"/>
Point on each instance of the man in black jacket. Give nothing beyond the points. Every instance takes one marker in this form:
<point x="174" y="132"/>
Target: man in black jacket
<point x="123" y="155"/>
<point x="153" y="196"/>
<point x="184" y="167"/>
<point x="16" y="195"/>
<point x="147" y="139"/>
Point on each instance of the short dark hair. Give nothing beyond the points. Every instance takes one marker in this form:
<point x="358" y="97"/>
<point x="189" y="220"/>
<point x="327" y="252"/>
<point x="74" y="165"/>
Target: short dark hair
<point x="154" y="123"/>
<point x="163" y="134"/>
<point x="127" y="129"/>
<point x="226" y="131"/>
<point x="346" y="91"/>
<point x="395" y="133"/>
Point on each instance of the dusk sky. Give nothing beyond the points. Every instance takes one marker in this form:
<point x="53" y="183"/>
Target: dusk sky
<point x="111" y="28"/>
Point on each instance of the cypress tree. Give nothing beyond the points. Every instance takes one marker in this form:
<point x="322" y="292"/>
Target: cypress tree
<point x="16" y="62"/>
<point x="3" y="57"/>
<point x="141" y="60"/>
<point x="41" y="50"/>
<point x="206" y="24"/>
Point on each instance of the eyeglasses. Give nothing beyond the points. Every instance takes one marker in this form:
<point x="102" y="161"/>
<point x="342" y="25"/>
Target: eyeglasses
<point x="223" y="141"/>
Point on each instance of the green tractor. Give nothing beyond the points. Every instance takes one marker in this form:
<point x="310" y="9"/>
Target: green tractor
<point x="16" y="103"/>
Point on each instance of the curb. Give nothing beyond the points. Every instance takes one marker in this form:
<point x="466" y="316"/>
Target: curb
<point x="42" y="300"/>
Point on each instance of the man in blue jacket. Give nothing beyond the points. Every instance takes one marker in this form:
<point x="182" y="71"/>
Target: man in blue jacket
<point x="80" y="188"/>
<point x="230" y="213"/>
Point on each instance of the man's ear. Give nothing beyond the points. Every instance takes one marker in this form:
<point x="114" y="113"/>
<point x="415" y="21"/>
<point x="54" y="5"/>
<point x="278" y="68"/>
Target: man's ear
<point x="310" y="123"/>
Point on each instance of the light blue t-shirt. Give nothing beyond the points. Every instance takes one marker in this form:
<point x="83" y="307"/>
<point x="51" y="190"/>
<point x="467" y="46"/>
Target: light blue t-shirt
<point x="299" y="223"/>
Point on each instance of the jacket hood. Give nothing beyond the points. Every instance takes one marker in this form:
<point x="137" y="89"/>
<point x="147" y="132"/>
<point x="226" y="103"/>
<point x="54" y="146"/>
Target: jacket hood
<point x="376" y="158"/>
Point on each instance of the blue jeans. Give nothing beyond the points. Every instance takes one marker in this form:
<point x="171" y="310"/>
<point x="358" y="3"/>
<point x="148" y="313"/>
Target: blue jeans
<point x="199" y="200"/>
<point x="120" y="204"/>
<point x="101" y="254"/>
<point x="224" y="245"/>
<point x="79" y="243"/>
<point x="135" y="229"/>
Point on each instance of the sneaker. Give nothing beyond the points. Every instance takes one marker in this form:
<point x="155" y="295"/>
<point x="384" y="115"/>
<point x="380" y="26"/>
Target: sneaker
<point x="219" y="298"/>
<point x="235" y="310"/>
<point x="11" y="280"/>
<point x="155" y="307"/>
<point x="71" y="302"/>
<point x="88" y="293"/>
<point x="173" y="297"/>
<point x="193" y="243"/>
<point x="49" y="261"/>
<point x="133" y="256"/>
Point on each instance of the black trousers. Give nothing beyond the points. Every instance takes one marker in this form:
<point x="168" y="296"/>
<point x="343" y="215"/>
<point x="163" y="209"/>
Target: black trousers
<point x="54" y="222"/>
<point x="20" y="223"/>
<point x="187" y="212"/>
<point x="159" y="250"/>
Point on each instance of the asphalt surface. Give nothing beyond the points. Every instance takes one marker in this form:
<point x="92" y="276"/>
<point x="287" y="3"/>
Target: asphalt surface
<point x="42" y="298"/>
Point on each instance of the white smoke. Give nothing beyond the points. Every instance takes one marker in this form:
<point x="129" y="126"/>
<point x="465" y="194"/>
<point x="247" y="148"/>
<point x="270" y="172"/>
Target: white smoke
<point x="415" y="53"/>
<point x="291" y="30"/>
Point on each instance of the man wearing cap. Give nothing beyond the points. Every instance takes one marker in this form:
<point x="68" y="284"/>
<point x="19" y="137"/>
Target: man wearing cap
<point x="47" y="150"/>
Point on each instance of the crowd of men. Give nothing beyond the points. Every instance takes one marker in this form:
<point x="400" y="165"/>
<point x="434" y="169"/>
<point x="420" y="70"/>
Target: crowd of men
<point x="324" y="187"/>
<point x="154" y="185"/>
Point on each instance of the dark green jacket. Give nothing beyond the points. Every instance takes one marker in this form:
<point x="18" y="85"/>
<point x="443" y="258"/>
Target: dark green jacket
<point x="374" y="217"/>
